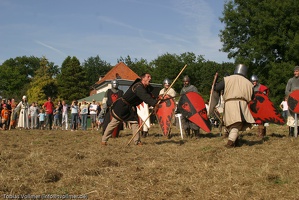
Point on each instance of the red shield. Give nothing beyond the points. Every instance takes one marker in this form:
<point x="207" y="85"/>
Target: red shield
<point x="293" y="100"/>
<point x="263" y="109"/>
<point x="165" y="113"/>
<point x="192" y="106"/>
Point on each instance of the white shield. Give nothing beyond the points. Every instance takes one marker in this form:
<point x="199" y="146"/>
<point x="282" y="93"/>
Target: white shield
<point x="143" y="113"/>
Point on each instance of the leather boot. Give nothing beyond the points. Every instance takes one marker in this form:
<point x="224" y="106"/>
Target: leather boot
<point x="144" y="133"/>
<point x="264" y="131"/>
<point x="187" y="132"/>
<point x="196" y="133"/>
<point x="230" y="144"/>
<point x="291" y="131"/>
<point x="260" y="131"/>
<point x="169" y="134"/>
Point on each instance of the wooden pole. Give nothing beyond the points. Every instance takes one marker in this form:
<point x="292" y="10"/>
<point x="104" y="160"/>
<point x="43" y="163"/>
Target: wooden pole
<point x="211" y="93"/>
<point x="11" y="117"/>
<point x="296" y="126"/>
<point x="157" y="104"/>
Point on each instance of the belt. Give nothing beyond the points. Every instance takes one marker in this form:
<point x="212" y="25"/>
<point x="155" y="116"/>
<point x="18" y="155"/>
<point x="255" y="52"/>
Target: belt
<point x="236" y="99"/>
<point x="125" y="101"/>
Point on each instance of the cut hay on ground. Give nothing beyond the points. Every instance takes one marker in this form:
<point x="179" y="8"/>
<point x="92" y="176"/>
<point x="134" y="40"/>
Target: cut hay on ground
<point x="39" y="162"/>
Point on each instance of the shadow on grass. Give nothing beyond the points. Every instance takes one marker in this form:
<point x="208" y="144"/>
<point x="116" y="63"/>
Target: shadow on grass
<point x="277" y="135"/>
<point x="257" y="142"/>
<point x="179" y="142"/>
<point x="249" y="142"/>
<point x="210" y="135"/>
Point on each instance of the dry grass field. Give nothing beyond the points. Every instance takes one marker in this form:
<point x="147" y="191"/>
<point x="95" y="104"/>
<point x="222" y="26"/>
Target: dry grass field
<point x="35" y="162"/>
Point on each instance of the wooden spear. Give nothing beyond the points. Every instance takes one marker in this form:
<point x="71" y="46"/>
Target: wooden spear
<point x="157" y="104"/>
<point x="211" y="94"/>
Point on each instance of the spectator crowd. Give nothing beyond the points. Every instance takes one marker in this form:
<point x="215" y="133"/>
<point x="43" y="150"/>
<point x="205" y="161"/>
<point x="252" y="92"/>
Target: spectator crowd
<point x="50" y="115"/>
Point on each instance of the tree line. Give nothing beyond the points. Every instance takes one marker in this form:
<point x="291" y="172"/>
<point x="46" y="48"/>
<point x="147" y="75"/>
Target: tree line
<point x="39" y="78"/>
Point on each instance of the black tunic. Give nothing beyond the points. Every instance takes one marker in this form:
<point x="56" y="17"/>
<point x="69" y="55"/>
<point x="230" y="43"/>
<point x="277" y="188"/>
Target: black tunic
<point x="124" y="109"/>
<point x="111" y="98"/>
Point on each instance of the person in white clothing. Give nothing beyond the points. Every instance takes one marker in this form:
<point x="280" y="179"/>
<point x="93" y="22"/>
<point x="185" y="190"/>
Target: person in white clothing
<point x="171" y="92"/>
<point x="33" y="111"/>
<point x="93" y="114"/>
<point x="65" y="117"/>
<point x="284" y="106"/>
<point x="23" y="107"/>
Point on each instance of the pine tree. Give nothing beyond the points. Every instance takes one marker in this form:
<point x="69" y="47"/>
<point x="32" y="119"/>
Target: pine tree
<point x="72" y="81"/>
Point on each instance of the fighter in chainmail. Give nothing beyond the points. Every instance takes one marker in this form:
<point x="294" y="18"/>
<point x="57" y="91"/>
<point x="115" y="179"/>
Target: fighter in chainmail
<point x="258" y="87"/>
<point x="187" y="86"/>
<point x="293" y="84"/>
<point x="110" y="97"/>
<point x="166" y="83"/>
<point x="187" y="124"/>
<point x="171" y="92"/>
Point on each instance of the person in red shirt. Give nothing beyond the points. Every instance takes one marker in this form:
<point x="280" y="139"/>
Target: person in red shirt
<point x="5" y="113"/>
<point x="48" y="107"/>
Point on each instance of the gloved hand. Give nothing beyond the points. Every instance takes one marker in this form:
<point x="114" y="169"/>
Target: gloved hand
<point x="156" y="108"/>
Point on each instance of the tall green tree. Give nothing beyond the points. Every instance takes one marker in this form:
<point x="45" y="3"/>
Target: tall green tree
<point x="263" y="34"/>
<point x="169" y="66"/>
<point x="72" y="81"/>
<point x="200" y="71"/>
<point x="53" y="69"/>
<point x="279" y="74"/>
<point x="260" y="31"/>
<point x="95" y="67"/>
<point x="16" y="75"/>
<point x="43" y="84"/>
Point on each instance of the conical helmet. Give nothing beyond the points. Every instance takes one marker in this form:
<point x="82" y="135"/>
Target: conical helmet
<point x="254" y="78"/>
<point x="186" y="78"/>
<point x="167" y="81"/>
<point x="186" y="81"/>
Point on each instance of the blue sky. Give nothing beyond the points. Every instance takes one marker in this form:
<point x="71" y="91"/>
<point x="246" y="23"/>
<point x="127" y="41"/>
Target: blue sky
<point x="110" y="28"/>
